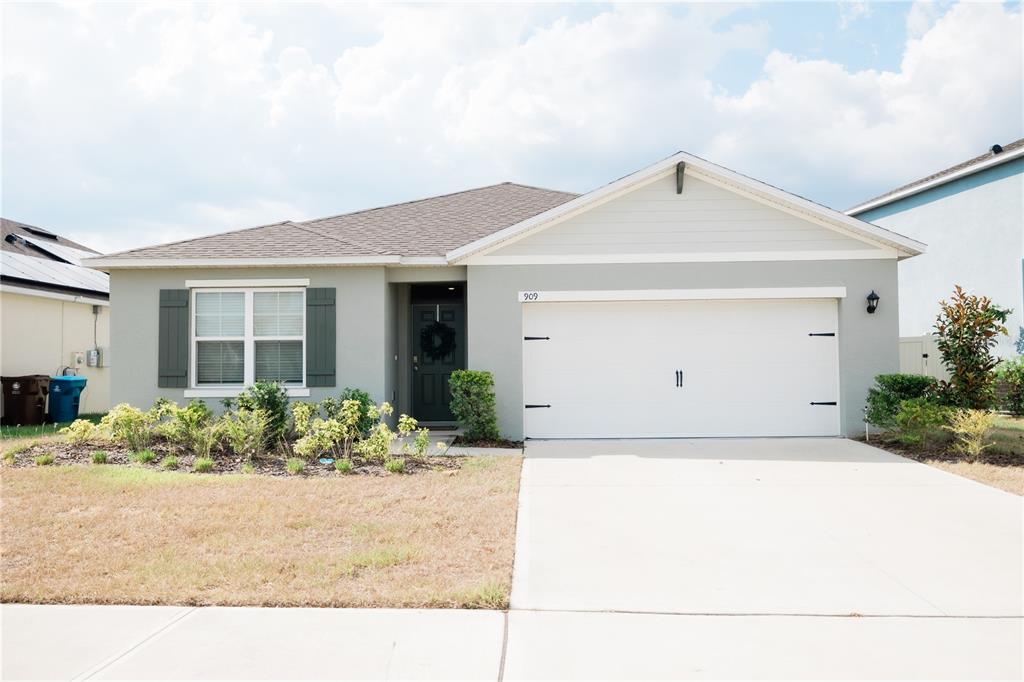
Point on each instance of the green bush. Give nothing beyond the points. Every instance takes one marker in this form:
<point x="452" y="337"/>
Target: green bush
<point x="99" y="457"/>
<point x="144" y="456"/>
<point x="43" y="460"/>
<point x="473" y="404"/>
<point x="245" y="431"/>
<point x="202" y="465"/>
<point x="920" y="420"/>
<point x="343" y="466"/>
<point x="9" y="458"/>
<point x="395" y="465"/>
<point x="889" y="391"/>
<point x="272" y="398"/>
<point x="131" y="426"/>
<point x="248" y="468"/>
<point x="80" y="431"/>
<point x="968" y="328"/>
<point x="189" y="426"/>
<point x="169" y="462"/>
<point x="1010" y="374"/>
<point x="295" y="466"/>
<point x="970" y="427"/>
<point x="365" y="422"/>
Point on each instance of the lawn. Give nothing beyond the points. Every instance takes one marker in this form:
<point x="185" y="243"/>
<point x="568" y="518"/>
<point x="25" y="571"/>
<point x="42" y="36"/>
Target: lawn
<point x="1001" y="465"/>
<point x="27" y="432"/>
<point x="113" y="534"/>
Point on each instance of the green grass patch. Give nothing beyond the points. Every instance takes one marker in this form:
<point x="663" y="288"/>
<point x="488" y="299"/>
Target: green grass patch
<point x="478" y="463"/>
<point x="99" y="457"/>
<point x="7" y="432"/>
<point x="248" y="468"/>
<point x="343" y="466"/>
<point x="489" y="595"/>
<point x="379" y="557"/>
<point x="295" y="466"/>
<point x="395" y="465"/>
<point x="169" y="462"/>
<point x="144" y="456"/>
<point x="43" y="460"/>
<point x="203" y="465"/>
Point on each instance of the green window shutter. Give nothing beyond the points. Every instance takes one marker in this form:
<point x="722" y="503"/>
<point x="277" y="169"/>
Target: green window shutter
<point x="173" y="341"/>
<point x="321" y="337"/>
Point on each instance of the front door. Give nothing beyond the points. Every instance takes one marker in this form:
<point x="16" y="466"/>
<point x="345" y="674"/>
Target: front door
<point x="438" y="349"/>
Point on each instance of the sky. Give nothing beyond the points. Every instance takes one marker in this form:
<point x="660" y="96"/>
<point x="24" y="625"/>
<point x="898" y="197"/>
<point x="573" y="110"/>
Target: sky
<point x="132" y="124"/>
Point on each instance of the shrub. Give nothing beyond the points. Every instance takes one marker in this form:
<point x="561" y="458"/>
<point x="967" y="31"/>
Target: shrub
<point x="144" y="456"/>
<point x="80" y="431"/>
<point x="473" y="403"/>
<point x="395" y="465"/>
<point x="169" y="462"/>
<point x="967" y="328"/>
<point x="365" y="422"/>
<point x="9" y="457"/>
<point x="376" y="447"/>
<point x="1011" y="374"/>
<point x="187" y="426"/>
<point x="343" y="466"/>
<point x="969" y="428"/>
<point x="99" y="457"/>
<point x="202" y="465"/>
<point x="246" y="431"/>
<point x="130" y="426"/>
<point x="248" y="468"/>
<point x="43" y="460"/>
<point x="302" y="417"/>
<point x="295" y="465"/>
<point x="272" y="398"/>
<point x="919" y="419"/>
<point x="335" y="434"/>
<point x="889" y="391"/>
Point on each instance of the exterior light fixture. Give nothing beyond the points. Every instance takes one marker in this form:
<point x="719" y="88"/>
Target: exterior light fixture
<point x="872" y="301"/>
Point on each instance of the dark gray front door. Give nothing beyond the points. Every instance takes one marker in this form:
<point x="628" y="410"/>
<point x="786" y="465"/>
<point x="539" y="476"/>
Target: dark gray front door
<point x="432" y="326"/>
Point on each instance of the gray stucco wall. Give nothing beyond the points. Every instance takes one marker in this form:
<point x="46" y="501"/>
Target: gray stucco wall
<point x="868" y="344"/>
<point x="362" y="310"/>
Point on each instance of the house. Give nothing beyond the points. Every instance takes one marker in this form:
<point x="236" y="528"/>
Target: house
<point x="682" y="300"/>
<point x="54" y="311"/>
<point x="972" y="217"/>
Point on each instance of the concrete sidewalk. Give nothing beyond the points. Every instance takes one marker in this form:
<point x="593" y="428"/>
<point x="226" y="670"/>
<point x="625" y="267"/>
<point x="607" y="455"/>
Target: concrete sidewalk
<point x="153" y="642"/>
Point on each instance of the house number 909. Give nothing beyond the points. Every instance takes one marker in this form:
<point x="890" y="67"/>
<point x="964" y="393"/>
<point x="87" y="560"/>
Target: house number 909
<point x="530" y="295"/>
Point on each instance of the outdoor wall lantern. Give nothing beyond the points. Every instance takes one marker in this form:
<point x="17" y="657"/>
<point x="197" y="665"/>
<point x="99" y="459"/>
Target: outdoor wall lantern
<point x="872" y="301"/>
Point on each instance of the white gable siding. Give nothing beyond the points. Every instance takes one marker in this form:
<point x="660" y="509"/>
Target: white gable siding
<point x="704" y="219"/>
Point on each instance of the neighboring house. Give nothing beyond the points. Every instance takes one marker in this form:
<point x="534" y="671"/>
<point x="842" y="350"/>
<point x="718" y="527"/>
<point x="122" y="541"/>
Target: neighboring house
<point x="54" y="311"/>
<point x="972" y="217"/>
<point x="682" y="300"/>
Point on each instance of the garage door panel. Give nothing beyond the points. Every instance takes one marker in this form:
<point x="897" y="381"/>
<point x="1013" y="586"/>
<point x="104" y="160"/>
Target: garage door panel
<point x="749" y="368"/>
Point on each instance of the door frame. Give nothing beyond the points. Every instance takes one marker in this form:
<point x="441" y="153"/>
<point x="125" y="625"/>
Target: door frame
<point x="414" y="342"/>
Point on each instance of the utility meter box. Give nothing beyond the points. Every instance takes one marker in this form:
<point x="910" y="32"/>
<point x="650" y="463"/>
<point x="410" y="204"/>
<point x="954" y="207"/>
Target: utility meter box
<point x="77" y="358"/>
<point x="92" y="357"/>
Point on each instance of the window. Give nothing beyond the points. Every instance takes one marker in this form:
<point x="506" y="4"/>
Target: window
<point x="246" y="335"/>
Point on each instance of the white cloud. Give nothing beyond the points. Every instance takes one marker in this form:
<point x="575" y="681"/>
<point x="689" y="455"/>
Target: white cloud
<point x="131" y="125"/>
<point x="850" y="12"/>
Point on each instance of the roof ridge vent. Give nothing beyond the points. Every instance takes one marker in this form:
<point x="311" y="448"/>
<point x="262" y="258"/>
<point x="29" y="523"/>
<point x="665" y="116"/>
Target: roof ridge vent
<point x="996" y="149"/>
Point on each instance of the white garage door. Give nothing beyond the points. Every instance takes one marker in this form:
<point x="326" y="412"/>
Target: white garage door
<point x="648" y="369"/>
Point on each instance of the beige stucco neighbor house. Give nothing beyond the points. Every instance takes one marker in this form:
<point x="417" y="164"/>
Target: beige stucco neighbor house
<point x="684" y="300"/>
<point x="53" y="311"/>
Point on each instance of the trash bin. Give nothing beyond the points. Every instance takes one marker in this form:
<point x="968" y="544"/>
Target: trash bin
<point x="25" y="399"/>
<point x="64" y="398"/>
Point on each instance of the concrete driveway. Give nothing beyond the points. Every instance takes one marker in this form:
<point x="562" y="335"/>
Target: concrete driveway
<point x="747" y="558"/>
<point x="770" y="526"/>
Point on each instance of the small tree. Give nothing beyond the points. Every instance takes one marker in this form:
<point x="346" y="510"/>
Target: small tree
<point x="968" y="328"/>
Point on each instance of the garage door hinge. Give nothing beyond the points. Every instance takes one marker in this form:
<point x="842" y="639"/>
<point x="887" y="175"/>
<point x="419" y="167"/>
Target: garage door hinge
<point x="531" y="407"/>
<point x="825" y="403"/>
<point x="822" y="334"/>
<point x="536" y="338"/>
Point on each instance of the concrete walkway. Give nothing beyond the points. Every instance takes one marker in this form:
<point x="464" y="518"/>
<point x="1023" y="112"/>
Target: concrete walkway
<point x="781" y="559"/>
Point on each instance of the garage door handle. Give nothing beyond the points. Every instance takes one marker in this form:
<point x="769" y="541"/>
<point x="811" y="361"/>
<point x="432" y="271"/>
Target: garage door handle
<point x="536" y="338"/>
<point x="822" y="334"/>
<point x="532" y="407"/>
<point x="825" y="403"/>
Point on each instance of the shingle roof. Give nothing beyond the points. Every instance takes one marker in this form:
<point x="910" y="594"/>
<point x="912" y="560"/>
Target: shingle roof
<point x="13" y="227"/>
<point x="1012" y="146"/>
<point x="425" y="227"/>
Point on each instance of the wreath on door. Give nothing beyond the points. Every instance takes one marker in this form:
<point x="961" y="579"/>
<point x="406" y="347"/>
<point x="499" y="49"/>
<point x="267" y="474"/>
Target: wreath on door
<point x="437" y="341"/>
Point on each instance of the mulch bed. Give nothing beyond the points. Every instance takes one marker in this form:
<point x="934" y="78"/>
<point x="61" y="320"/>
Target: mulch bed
<point x="499" y="443"/>
<point x="941" y="451"/>
<point x="72" y="454"/>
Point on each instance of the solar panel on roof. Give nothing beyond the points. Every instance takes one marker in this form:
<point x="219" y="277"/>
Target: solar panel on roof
<point x="42" y="271"/>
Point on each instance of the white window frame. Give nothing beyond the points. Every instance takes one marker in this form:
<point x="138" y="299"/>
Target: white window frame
<point x="248" y="338"/>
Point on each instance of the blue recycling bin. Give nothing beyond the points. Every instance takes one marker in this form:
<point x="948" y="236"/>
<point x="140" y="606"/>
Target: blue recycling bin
<point x="64" y="398"/>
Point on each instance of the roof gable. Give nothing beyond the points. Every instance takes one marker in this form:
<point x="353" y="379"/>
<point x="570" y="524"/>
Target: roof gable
<point x="705" y="171"/>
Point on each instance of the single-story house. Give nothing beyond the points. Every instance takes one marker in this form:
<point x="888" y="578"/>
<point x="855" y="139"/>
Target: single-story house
<point x="682" y="300"/>
<point x="972" y="217"/>
<point x="54" y="311"/>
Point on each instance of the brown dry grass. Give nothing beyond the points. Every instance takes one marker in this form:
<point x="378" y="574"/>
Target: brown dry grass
<point x="1008" y="478"/>
<point x="120" y="534"/>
